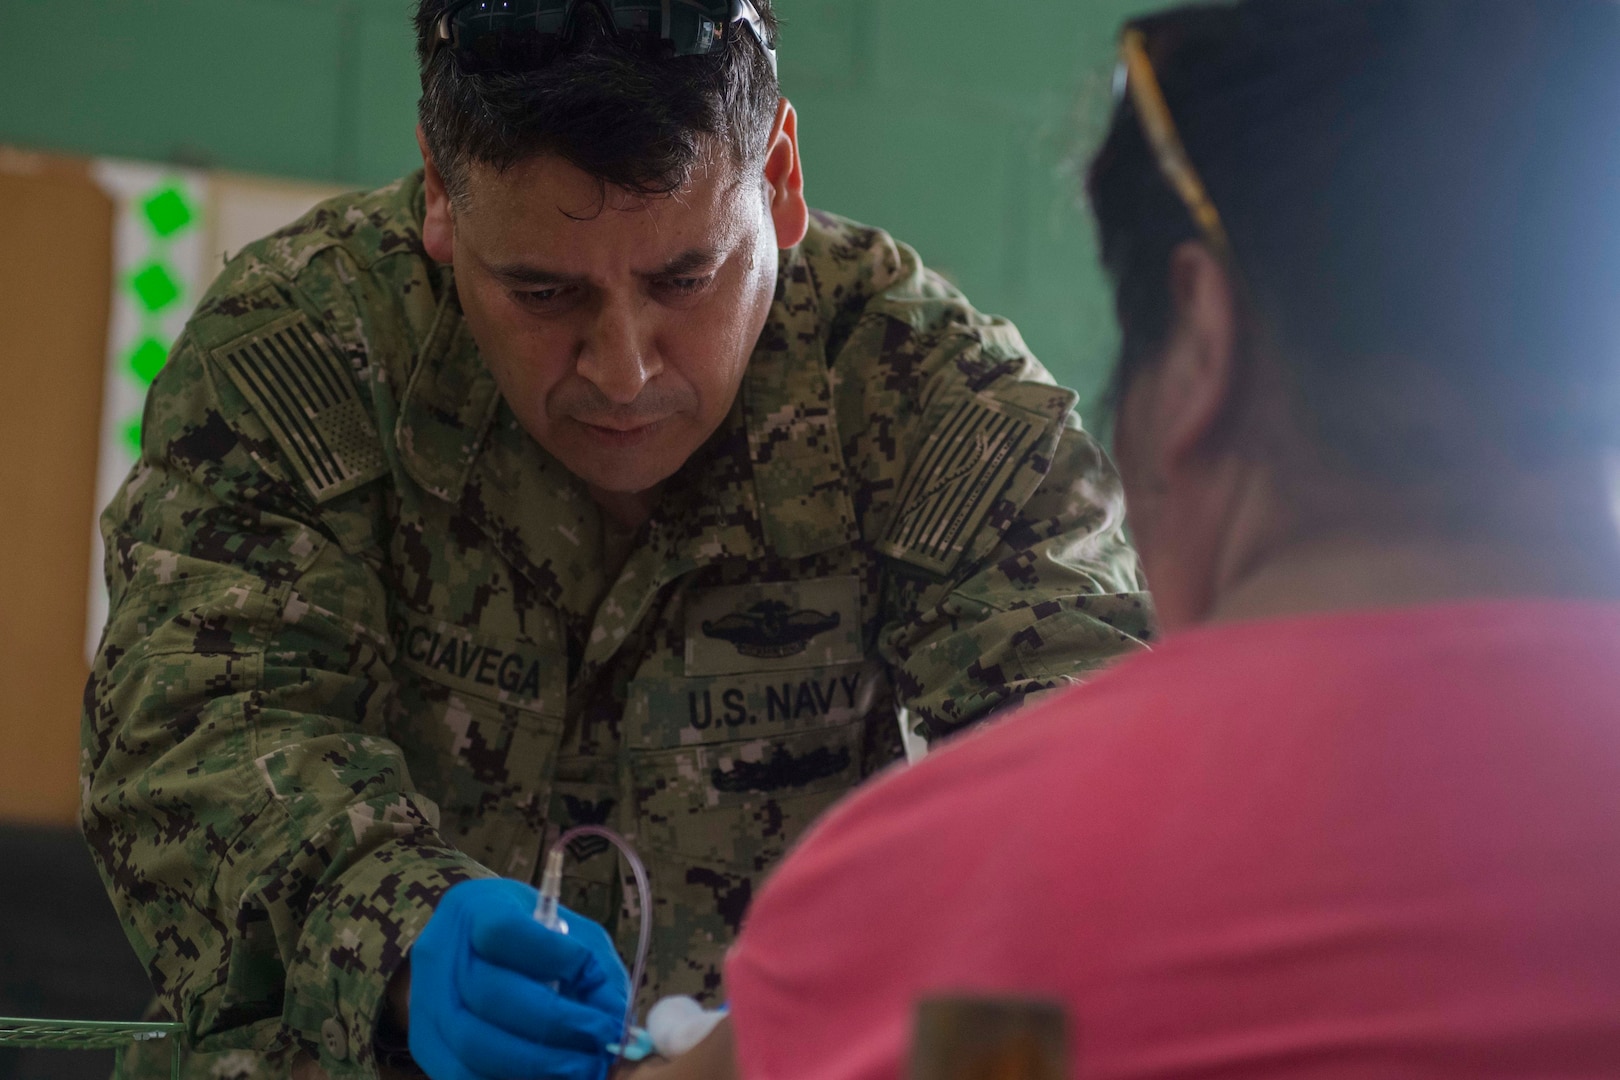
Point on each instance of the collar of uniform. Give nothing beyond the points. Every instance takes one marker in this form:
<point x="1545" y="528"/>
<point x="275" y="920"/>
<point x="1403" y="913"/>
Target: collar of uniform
<point x="460" y="443"/>
<point x="772" y="478"/>
<point x="801" y="483"/>
<point x="448" y="405"/>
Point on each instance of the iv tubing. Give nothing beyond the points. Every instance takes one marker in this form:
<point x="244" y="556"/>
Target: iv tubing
<point x="545" y="911"/>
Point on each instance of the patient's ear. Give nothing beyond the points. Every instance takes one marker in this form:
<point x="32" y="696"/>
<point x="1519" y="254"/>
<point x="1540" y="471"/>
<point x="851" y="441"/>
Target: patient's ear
<point x="1195" y="376"/>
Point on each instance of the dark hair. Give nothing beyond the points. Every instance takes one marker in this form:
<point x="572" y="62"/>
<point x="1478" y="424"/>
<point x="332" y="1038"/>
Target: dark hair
<point x="1423" y="198"/>
<point x="622" y="109"/>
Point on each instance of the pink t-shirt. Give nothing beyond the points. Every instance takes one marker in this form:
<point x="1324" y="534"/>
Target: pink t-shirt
<point x="1380" y="844"/>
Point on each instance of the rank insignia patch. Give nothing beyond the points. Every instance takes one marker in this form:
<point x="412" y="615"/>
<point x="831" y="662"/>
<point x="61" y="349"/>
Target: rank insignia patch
<point x="780" y="626"/>
<point x="969" y="457"/>
<point x="305" y="394"/>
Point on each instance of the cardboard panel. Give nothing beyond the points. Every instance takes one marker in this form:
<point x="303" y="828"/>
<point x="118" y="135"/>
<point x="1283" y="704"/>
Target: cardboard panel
<point x="57" y="224"/>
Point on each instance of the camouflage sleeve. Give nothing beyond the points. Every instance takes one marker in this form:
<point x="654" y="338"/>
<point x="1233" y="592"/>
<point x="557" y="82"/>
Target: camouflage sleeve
<point x="1055" y="599"/>
<point x="251" y="819"/>
<point x="1011" y="573"/>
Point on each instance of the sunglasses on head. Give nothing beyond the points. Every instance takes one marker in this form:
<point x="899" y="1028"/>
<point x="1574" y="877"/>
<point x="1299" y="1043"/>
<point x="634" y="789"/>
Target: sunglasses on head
<point x="1136" y="79"/>
<point x="522" y="35"/>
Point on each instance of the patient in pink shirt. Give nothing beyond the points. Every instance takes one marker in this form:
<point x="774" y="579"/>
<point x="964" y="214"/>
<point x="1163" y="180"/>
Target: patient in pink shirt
<point x="1359" y="815"/>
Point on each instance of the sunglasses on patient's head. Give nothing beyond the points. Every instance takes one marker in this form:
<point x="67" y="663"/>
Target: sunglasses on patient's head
<point x="496" y="36"/>
<point x="1136" y="78"/>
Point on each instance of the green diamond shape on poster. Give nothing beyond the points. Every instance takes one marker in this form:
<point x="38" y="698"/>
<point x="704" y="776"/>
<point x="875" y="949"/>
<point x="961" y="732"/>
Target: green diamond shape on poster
<point x="147" y="359"/>
<point x="132" y="437"/>
<point x="168" y="211"/>
<point x="155" y="286"/>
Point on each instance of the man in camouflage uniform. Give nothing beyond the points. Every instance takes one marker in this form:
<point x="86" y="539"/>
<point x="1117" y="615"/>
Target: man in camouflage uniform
<point x="382" y="623"/>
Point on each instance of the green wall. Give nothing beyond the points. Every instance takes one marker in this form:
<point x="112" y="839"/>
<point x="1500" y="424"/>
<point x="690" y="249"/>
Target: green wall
<point x="954" y="124"/>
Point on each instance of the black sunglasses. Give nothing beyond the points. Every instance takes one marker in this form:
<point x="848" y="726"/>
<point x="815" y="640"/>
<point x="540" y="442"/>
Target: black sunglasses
<point x="521" y="35"/>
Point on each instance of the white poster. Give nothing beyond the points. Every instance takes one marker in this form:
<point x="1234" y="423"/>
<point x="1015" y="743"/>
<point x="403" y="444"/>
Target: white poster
<point x="172" y="232"/>
<point x="158" y="267"/>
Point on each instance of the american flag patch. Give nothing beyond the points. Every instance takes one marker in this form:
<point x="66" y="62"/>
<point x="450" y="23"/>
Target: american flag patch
<point x="305" y="394"/>
<point x="967" y="460"/>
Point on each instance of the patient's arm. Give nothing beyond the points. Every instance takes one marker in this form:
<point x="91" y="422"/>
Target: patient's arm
<point x="712" y="1059"/>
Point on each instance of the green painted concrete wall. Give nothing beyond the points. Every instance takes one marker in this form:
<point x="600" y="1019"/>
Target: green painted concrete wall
<point x="955" y="124"/>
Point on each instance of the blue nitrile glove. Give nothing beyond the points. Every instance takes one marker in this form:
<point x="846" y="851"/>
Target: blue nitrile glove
<point x="483" y="1004"/>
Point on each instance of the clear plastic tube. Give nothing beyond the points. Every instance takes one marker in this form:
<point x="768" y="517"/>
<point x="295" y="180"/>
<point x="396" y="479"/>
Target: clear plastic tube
<point x="545" y="910"/>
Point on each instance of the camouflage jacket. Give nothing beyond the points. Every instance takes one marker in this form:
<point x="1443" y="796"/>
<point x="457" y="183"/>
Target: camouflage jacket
<point x="362" y="646"/>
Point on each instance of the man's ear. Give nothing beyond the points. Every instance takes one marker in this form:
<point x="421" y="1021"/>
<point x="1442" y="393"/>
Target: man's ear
<point x="438" y="229"/>
<point x="1197" y="375"/>
<point x="784" y="178"/>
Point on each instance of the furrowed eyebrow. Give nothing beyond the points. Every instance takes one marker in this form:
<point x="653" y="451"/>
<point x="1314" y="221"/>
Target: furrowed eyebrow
<point x="523" y="274"/>
<point x="687" y="264"/>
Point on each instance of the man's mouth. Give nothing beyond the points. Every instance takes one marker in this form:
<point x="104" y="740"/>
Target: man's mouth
<point x="622" y="428"/>
<point x="621" y="433"/>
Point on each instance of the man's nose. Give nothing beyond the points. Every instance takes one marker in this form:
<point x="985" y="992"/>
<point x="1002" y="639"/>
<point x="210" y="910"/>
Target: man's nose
<point x="618" y="357"/>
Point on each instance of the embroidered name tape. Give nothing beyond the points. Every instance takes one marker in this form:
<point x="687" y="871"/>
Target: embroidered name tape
<point x="522" y="675"/>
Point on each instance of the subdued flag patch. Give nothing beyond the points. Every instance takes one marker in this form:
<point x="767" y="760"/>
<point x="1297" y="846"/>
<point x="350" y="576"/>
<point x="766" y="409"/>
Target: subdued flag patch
<point x="967" y="460"/>
<point x="305" y="394"/>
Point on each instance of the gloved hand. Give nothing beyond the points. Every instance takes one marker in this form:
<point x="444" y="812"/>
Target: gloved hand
<point x="496" y="996"/>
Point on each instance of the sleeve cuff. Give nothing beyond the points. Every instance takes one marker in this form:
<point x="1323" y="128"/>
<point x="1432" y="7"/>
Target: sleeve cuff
<point x="356" y="936"/>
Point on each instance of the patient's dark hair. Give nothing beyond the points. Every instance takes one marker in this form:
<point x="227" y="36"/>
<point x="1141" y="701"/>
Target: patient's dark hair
<point x="1423" y="200"/>
<point x="623" y="110"/>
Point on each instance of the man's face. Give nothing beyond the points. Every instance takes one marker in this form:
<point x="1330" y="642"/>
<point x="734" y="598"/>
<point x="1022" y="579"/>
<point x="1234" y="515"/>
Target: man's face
<point x="617" y="327"/>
